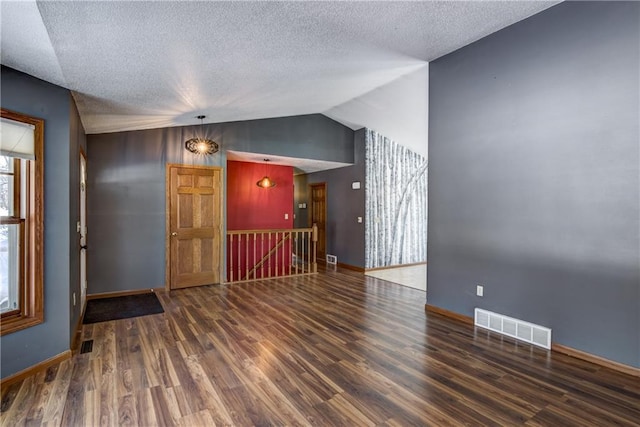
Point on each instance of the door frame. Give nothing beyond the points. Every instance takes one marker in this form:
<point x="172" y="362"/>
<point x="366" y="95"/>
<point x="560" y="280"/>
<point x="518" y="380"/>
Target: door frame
<point x="167" y="231"/>
<point x="84" y="288"/>
<point x="310" y="213"/>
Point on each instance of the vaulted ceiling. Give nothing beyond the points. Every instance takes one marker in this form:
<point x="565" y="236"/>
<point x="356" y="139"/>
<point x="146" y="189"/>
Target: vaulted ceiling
<point x="138" y="65"/>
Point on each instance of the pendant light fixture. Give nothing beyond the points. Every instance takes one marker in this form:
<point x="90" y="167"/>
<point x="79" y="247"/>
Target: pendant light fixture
<point x="201" y="145"/>
<point x="266" y="182"/>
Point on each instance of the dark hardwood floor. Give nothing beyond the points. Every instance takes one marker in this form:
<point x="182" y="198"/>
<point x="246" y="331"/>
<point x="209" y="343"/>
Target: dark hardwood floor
<point x="338" y="348"/>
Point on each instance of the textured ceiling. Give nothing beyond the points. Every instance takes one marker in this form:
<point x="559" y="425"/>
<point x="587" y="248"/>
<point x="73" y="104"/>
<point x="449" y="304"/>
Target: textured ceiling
<point x="138" y="65"/>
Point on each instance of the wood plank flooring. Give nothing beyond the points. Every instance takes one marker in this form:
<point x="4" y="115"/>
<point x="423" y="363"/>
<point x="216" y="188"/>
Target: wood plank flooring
<point x="338" y="348"/>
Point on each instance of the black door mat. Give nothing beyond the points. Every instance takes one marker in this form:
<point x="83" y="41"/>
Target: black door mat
<point x="115" y="308"/>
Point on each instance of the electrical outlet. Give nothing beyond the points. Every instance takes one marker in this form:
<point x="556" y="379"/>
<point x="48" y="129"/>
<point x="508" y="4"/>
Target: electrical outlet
<point x="359" y="220"/>
<point x="479" y="290"/>
<point x="286" y="216"/>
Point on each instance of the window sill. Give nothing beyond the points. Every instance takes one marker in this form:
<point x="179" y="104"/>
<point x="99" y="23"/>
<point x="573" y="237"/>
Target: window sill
<point x="14" y="324"/>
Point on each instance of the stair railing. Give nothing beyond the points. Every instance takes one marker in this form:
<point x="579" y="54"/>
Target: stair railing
<point x="263" y="254"/>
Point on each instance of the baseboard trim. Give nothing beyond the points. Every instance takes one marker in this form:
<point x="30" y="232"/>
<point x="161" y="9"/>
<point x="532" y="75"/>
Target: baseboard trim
<point x="350" y="267"/>
<point x="19" y="376"/>
<point x="447" y="313"/>
<point x="559" y="348"/>
<point x="597" y="360"/>
<point x="395" y="266"/>
<point x="123" y="293"/>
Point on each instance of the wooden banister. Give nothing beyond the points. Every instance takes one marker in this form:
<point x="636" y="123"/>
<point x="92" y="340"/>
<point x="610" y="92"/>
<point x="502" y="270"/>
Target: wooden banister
<point x="262" y="254"/>
<point x="267" y="256"/>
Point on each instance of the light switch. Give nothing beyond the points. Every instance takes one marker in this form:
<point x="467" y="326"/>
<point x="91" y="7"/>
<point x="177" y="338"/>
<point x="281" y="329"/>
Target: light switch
<point x="286" y="216"/>
<point x="355" y="185"/>
<point x="360" y="220"/>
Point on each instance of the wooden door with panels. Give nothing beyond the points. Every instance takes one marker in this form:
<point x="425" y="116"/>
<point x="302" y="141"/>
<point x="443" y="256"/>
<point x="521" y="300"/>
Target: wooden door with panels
<point x="318" y="216"/>
<point x="194" y="226"/>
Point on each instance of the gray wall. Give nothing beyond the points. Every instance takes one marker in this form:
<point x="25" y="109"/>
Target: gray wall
<point x="311" y="136"/>
<point x="300" y="195"/>
<point x="345" y="236"/>
<point x="28" y="95"/>
<point x="126" y="205"/>
<point x="126" y="186"/>
<point x="533" y="180"/>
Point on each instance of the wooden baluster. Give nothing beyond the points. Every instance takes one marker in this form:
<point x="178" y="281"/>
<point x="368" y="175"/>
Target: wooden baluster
<point x="254" y="256"/>
<point x="262" y="253"/>
<point x="230" y="249"/>
<point x="282" y="254"/>
<point x="236" y="240"/>
<point x="315" y="241"/>
<point x="278" y="240"/>
<point x="289" y="252"/>
<point x="298" y="246"/>
<point x="285" y="253"/>
<point x="304" y="260"/>
<point x="295" y="245"/>
<point x="239" y="257"/>
<point x="269" y="261"/>
<point x="246" y="256"/>
<point x="302" y="251"/>
<point x="308" y="252"/>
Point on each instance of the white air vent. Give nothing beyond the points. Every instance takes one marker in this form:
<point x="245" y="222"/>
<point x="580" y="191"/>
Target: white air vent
<point x="525" y="331"/>
<point x="332" y="259"/>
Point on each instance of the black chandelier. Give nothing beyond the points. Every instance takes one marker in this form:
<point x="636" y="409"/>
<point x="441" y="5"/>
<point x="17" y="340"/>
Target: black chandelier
<point x="201" y="145"/>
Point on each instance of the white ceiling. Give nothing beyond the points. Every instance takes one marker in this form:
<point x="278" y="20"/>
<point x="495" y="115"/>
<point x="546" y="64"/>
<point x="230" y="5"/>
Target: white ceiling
<point x="138" y="65"/>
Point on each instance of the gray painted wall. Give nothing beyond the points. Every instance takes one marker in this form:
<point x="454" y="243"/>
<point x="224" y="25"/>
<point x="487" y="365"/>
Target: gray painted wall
<point x="126" y="205"/>
<point x="534" y="176"/>
<point x="300" y="195"/>
<point x="28" y="95"/>
<point x="345" y="236"/>
<point x="311" y="136"/>
<point x="126" y="186"/>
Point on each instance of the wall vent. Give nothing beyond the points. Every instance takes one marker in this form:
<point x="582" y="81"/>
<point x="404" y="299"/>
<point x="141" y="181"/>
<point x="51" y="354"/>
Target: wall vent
<point x="332" y="259"/>
<point x="519" y="329"/>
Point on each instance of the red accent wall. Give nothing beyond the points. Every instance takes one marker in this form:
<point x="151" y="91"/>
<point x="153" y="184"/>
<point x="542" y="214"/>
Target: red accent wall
<point x="250" y="207"/>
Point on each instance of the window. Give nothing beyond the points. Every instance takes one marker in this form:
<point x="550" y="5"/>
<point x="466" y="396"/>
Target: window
<point x="21" y="221"/>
